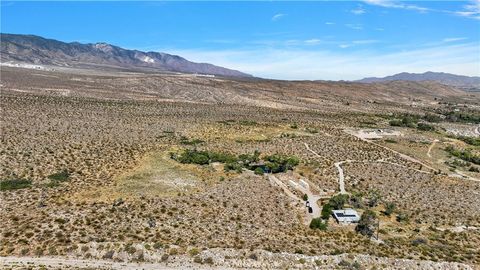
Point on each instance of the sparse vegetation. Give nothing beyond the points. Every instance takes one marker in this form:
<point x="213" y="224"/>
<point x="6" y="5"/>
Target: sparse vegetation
<point x="367" y="224"/>
<point x="13" y="184"/>
<point x="186" y="141"/>
<point x="111" y="141"/>
<point x="464" y="154"/>
<point x="475" y="141"/>
<point x="389" y="208"/>
<point x="318" y="223"/>
<point x="425" y="127"/>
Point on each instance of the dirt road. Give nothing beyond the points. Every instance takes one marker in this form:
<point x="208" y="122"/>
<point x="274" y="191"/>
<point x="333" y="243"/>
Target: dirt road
<point x="406" y="157"/>
<point x="341" y="178"/>
<point x="431" y="147"/>
<point x="311" y="151"/>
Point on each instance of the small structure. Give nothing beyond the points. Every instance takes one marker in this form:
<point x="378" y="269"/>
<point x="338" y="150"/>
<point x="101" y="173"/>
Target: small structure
<point x="346" y="216"/>
<point x="304" y="184"/>
<point x="293" y="184"/>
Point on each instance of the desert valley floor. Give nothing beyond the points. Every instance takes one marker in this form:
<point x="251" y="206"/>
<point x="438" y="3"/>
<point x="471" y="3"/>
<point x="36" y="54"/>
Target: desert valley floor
<point x="96" y="174"/>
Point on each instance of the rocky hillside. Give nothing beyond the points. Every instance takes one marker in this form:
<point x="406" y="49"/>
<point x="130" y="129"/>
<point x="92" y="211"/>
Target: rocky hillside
<point x="464" y="82"/>
<point x="37" y="50"/>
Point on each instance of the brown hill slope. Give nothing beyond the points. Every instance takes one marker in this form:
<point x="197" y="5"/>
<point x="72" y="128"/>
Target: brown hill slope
<point x="256" y="92"/>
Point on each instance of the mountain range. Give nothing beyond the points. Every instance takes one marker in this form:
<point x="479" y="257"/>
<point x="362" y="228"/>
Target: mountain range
<point x="463" y="82"/>
<point x="37" y="50"/>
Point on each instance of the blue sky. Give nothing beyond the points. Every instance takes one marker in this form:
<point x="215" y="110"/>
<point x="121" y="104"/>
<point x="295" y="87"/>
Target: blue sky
<point x="283" y="40"/>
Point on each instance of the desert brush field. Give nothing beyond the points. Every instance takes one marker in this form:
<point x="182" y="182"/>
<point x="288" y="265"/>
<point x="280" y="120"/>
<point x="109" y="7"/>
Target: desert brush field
<point x="122" y="169"/>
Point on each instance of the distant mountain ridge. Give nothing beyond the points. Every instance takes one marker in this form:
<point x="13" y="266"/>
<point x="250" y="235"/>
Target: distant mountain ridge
<point x="38" y="50"/>
<point x="464" y="82"/>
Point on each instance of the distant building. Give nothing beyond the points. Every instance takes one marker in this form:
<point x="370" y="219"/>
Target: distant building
<point x="304" y="184"/>
<point x="204" y="75"/>
<point x="346" y="216"/>
<point x="293" y="184"/>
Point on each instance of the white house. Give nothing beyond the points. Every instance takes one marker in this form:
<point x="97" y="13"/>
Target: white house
<point x="346" y="216"/>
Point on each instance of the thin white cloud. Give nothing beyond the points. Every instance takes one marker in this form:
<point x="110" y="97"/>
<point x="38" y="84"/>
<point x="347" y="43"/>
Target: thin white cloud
<point x="345" y="45"/>
<point x="382" y="3"/>
<point x="365" y="41"/>
<point x="453" y="39"/>
<point x="358" y="11"/>
<point x="396" y="4"/>
<point x="277" y="17"/>
<point x="472" y="10"/>
<point x="221" y="41"/>
<point x="313" y="41"/>
<point x="342" y="65"/>
<point x="288" y="43"/>
<point x="329" y="23"/>
<point x="354" y="26"/>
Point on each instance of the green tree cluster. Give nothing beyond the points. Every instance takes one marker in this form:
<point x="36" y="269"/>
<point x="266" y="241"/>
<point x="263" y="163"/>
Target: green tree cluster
<point x="13" y="184"/>
<point x="465" y="154"/>
<point x="273" y="163"/>
<point x="336" y="202"/>
<point x="280" y="163"/>
<point x="317" y="223"/>
<point x="366" y="225"/>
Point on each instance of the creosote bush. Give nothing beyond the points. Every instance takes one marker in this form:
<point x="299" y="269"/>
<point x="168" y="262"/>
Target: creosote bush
<point x="15" y="184"/>
<point x="317" y="223"/>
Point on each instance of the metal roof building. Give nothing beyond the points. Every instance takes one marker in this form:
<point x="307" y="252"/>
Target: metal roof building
<point x="346" y="216"/>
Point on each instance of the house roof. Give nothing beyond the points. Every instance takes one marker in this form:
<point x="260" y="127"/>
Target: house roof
<point x="346" y="215"/>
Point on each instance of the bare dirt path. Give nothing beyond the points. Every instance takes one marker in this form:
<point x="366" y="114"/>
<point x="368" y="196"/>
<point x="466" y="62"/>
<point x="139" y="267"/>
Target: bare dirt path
<point x="477" y="131"/>
<point x="311" y="151"/>
<point x="431" y="147"/>
<point x="62" y="263"/>
<point x="409" y="158"/>
<point x="341" y="178"/>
